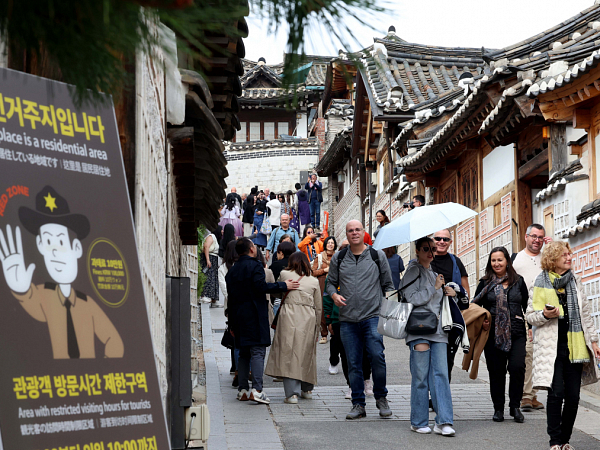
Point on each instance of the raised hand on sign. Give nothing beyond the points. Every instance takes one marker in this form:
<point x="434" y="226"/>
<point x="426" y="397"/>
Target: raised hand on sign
<point x="17" y="275"/>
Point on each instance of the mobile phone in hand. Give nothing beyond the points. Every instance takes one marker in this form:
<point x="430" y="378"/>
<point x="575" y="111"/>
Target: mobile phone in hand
<point x="550" y="307"/>
<point x="205" y="269"/>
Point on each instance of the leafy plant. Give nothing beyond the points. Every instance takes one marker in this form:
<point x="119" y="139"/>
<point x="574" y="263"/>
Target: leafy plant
<point x="90" y="43"/>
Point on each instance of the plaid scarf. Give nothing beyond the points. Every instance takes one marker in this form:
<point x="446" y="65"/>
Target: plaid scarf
<point x="545" y="289"/>
<point x="502" y="339"/>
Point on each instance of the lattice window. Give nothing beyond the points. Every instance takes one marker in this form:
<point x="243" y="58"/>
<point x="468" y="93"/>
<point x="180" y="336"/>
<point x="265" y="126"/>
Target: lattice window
<point x="448" y="193"/>
<point x="561" y="218"/>
<point x="592" y="290"/>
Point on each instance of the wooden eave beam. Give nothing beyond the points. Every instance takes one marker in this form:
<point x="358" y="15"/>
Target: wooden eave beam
<point x="558" y="105"/>
<point x="535" y="166"/>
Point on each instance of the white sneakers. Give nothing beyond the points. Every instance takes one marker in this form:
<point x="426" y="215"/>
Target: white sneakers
<point x="306" y="395"/>
<point x="334" y="370"/>
<point x="259" y="397"/>
<point x="242" y="395"/>
<point x="369" y="388"/>
<point x="421" y="430"/>
<point x="291" y="400"/>
<point x="444" y="430"/>
<point x="349" y="394"/>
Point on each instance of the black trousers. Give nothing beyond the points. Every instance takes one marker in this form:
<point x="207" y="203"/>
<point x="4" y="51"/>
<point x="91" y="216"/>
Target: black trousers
<point x="563" y="397"/>
<point x="498" y="363"/>
<point x="337" y="352"/>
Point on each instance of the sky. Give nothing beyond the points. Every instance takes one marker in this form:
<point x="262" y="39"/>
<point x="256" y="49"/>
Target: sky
<point x="447" y="23"/>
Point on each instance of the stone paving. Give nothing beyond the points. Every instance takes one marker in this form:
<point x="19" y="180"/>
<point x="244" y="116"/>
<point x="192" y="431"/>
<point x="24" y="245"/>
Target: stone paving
<point x="329" y="404"/>
<point x="250" y="426"/>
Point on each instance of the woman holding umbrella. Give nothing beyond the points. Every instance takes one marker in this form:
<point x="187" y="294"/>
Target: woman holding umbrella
<point x="428" y="365"/>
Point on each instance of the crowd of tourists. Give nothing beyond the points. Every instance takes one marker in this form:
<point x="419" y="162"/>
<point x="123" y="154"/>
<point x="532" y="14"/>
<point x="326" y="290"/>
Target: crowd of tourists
<point x="528" y="315"/>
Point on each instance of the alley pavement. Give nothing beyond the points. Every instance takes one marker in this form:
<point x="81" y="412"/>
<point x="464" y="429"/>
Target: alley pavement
<point x="320" y="423"/>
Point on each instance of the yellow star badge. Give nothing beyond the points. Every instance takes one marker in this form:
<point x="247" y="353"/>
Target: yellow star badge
<point x="50" y="202"/>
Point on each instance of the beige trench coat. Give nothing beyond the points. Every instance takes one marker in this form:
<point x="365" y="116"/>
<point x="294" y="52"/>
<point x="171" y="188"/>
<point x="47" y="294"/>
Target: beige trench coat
<point x="294" y="350"/>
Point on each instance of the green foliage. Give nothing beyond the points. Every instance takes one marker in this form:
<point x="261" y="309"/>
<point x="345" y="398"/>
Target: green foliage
<point x="90" y="43"/>
<point x="201" y="275"/>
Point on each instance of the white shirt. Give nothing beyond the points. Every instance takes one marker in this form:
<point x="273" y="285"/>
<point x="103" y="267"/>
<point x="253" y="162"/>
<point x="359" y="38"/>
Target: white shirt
<point x="275" y="207"/>
<point x="529" y="267"/>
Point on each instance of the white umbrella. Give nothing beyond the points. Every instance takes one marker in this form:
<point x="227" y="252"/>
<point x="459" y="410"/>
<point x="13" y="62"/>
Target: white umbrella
<point x="421" y="221"/>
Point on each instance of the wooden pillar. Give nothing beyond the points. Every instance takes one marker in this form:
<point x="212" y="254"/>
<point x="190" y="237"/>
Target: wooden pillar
<point x="558" y="147"/>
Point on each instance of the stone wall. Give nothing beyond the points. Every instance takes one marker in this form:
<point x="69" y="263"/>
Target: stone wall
<point x="272" y="165"/>
<point x="156" y="223"/>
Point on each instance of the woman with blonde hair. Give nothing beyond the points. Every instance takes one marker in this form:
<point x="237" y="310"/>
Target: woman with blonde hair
<point x="565" y="344"/>
<point x="293" y="355"/>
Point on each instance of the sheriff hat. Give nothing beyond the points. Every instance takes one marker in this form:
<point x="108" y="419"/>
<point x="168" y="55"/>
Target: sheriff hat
<point x="51" y="207"/>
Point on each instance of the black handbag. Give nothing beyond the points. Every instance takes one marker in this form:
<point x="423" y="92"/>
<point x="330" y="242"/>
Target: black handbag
<point x="227" y="341"/>
<point x="422" y="322"/>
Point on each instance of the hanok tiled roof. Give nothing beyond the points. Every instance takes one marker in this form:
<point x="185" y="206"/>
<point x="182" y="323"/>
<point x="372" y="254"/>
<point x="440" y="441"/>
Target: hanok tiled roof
<point x="540" y="63"/>
<point x="252" y="70"/>
<point x="404" y="77"/>
<point x="568" y="35"/>
<point x="255" y="145"/>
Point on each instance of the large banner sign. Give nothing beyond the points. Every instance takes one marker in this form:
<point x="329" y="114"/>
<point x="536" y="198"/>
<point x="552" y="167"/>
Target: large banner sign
<point x="78" y="370"/>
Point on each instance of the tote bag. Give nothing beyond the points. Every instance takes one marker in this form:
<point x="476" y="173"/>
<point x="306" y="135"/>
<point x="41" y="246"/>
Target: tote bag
<point x="394" y="314"/>
<point x="265" y="228"/>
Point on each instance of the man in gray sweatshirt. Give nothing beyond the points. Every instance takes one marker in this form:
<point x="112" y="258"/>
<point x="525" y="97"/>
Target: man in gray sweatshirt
<point x="363" y="276"/>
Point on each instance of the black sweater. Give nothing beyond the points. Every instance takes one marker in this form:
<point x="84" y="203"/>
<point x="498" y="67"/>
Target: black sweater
<point x="517" y="296"/>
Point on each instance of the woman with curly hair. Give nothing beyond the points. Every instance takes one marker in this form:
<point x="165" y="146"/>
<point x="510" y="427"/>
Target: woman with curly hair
<point x="565" y="344"/>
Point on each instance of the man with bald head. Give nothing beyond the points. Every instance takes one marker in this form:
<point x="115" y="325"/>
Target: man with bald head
<point x="363" y="276"/>
<point x="279" y="232"/>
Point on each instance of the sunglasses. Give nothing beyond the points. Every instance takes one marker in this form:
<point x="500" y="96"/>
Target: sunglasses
<point x="427" y="249"/>
<point x="438" y="239"/>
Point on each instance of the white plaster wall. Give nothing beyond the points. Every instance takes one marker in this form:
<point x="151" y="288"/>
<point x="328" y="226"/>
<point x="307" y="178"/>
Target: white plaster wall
<point x="498" y="170"/>
<point x="302" y="124"/>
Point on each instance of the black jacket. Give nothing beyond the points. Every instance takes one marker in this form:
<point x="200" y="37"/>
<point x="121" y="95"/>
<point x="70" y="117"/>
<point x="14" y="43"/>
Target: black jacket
<point x="517" y="296"/>
<point x="278" y="265"/>
<point x="248" y="206"/>
<point x="247" y="305"/>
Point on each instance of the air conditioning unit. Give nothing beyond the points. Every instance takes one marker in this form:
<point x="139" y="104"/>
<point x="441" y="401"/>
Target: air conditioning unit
<point x="197" y="424"/>
<point x="374" y="178"/>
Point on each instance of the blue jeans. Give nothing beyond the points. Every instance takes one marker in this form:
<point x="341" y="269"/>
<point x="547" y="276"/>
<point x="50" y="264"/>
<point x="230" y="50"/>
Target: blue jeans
<point x="315" y="213"/>
<point x="355" y="336"/>
<point x="429" y="370"/>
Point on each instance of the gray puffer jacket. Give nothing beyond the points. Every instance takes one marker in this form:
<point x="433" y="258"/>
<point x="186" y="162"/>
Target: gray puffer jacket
<point x="423" y="295"/>
<point x="362" y="283"/>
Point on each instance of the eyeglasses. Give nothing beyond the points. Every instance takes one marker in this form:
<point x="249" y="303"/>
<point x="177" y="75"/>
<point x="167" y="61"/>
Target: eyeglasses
<point x="536" y="238"/>
<point x="427" y="249"/>
<point x="355" y="230"/>
<point x="438" y="239"/>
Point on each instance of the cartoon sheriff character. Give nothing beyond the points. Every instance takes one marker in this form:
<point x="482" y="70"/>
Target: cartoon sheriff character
<point x="73" y="318"/>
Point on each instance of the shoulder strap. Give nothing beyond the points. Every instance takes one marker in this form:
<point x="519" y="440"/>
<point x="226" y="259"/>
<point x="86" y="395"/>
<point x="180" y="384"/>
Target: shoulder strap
<point x="341" y="256"/>
<point x="374" y="256"/>
<point x="512" y="257"/>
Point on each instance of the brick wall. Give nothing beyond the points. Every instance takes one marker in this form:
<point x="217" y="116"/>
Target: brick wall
<point x="346" y="210"/>
<point x="320" y="133"/>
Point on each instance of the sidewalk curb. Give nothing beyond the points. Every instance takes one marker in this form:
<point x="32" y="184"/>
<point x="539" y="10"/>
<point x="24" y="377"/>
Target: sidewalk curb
<point x="217" y="439"/>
